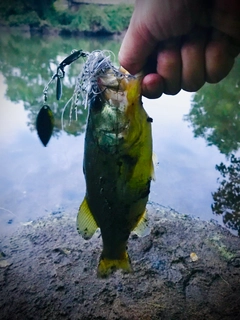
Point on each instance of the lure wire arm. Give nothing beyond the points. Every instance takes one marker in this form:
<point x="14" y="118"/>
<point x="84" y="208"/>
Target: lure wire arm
<point x="75" y="54"/>
<point x="71" y="58"/>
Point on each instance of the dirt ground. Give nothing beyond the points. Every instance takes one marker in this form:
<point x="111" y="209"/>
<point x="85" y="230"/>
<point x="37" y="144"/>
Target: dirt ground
<point x="185" y="269"/>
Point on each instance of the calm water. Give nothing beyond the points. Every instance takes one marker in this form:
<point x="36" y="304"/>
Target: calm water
<point x="192" y="133"/>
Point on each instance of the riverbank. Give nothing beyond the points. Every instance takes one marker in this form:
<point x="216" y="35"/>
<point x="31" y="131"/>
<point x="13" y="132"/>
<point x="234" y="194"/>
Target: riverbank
<point x="87" y="19"/>
<point x="185" y="269"/>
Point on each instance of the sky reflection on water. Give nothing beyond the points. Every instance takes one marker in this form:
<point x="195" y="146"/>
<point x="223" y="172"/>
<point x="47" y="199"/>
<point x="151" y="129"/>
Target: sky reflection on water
<point x="37" y="181"/>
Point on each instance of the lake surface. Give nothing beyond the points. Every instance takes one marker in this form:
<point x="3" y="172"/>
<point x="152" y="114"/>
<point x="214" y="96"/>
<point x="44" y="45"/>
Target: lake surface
<point x="192" y="133"/>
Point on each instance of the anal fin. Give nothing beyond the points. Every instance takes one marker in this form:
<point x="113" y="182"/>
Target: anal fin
<point x="154" y="164"/>
<point x="142" y="229"/>
<point x="86" y="225"/>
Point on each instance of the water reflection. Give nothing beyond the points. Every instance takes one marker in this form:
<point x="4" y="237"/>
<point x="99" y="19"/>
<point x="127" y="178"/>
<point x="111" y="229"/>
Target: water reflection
<point x="215" y="113"/>
<point x="34" y="180"/>
<point x="30" y="65"/>
<point x="215" y="116"/>
<point x="37" y="180"/>
<point x="227" y="197"/>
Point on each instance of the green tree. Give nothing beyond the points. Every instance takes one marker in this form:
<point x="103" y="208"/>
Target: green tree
<point x="17" y="12"/>
<point x="88" y="18"/>
<point x="41" y="7"/>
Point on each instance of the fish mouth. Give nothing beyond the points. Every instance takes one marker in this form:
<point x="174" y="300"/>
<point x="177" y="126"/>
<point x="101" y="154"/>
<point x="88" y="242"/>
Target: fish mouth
<point x="109" y="81"/>
<point x="115" y="80"/>
<point x="111" y="88"/>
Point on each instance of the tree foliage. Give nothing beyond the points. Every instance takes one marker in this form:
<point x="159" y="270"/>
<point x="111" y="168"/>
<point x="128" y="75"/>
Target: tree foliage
<point x="91" y="18"/>
<point x="18" y="8"/>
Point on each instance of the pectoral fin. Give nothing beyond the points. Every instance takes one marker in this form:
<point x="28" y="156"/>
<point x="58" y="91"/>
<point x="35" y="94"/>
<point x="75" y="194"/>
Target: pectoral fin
<point x="86" y="225"/>
<point x="142" y="229"/>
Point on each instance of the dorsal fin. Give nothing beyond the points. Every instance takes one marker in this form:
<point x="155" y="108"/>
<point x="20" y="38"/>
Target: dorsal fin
<point x="86" y="225"/>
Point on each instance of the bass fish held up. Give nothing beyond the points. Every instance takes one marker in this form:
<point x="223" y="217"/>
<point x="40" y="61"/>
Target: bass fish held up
<point x="118" y="165"/>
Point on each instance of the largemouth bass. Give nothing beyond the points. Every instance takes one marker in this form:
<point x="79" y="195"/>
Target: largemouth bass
<point x="118" y="164"/>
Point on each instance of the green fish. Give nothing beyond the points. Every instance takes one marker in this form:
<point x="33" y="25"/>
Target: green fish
<point x="118" y="164"/>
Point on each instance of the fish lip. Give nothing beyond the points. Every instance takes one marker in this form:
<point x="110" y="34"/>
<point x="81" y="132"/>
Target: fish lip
<point x="113" y="84"/>
<point x="113" y="80"/>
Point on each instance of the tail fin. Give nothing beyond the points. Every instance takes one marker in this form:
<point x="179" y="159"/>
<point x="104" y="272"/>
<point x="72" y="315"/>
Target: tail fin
<point x="107" y="266"/>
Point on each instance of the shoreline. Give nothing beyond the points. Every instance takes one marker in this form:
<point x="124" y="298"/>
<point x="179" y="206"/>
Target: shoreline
<point x="51" y="31"/>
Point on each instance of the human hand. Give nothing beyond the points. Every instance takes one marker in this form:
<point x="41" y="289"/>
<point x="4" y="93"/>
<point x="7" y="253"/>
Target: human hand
<point x="181" y="44"/>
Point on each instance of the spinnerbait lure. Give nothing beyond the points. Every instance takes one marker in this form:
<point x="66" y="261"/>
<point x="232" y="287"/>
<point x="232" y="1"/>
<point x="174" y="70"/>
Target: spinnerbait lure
<point x="45" y="119"/>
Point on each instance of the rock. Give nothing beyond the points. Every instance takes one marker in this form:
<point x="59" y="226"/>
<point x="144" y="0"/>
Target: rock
<point x="184" y="269"/>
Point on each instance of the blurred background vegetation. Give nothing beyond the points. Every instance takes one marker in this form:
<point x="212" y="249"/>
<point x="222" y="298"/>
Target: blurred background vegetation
<point x="67" y="16"/>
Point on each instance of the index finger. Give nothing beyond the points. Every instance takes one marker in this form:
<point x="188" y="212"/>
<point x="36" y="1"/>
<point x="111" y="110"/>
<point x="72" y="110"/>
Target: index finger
<point x="136" y="47"/>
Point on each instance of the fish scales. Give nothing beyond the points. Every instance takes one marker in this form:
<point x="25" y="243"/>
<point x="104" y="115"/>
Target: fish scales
<point x="118" y="164"/>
